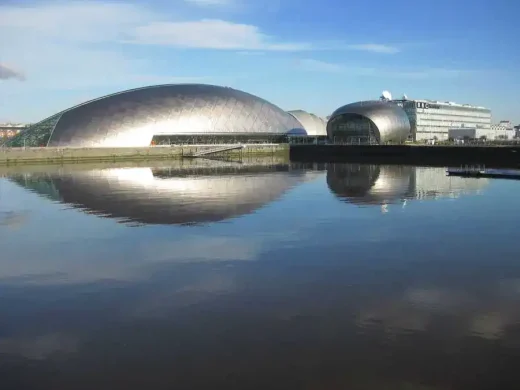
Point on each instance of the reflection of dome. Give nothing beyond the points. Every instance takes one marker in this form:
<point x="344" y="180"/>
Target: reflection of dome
<point x="384" y="184"/>
<point x="370" y="184"/>
<point x="163" y="196"/>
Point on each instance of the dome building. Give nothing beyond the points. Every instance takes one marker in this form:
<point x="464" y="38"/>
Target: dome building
<point x="314" y="126"/>
<point x="369" y="122"/>
<point x="176" y="113"/>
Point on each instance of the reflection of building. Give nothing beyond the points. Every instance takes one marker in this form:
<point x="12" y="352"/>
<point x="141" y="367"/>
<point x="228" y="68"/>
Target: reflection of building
<point x="386" y="184"/>
<point x="433" y="183"/>
<point x="183" y="195"/>
<point x="370" y="122"/>
<point x="187" y="113"/>
<point x="370" y="184"/>
<point x="431" y="119"/>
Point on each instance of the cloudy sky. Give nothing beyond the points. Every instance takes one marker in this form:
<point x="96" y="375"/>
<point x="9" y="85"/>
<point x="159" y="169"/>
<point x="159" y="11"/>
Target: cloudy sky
<point x="313" y="55"/>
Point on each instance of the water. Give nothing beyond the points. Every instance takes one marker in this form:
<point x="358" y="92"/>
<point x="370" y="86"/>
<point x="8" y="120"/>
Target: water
<point x="260" y="275"/>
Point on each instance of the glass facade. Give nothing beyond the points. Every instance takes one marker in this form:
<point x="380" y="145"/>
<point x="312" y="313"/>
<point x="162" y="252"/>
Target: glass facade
<point x="219" y="139"/>
<point x="433" y="120"/>
<point x="36" y="135"/>
<point x="353" y="129"/>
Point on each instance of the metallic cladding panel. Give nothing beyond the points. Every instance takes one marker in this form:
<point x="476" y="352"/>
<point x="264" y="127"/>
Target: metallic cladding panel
<point x="313" y="125"/>
<point x="132" y="118"/>
<point x="391" y="120"/>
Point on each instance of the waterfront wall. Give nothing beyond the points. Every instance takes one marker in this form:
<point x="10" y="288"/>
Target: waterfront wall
<point x="10" y="156"/>
<point x="498" y="156"/>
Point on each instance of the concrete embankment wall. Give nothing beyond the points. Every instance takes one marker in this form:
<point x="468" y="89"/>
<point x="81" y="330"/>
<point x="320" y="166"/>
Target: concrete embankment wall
<point x="498" y="156"/>
<point x="10" y="156"/>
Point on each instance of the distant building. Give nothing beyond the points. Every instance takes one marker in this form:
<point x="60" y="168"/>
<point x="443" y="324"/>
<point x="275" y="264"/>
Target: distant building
<point x="8" y="130"/>
<point x="431" y="119"/>
<point x="504" y="130"/>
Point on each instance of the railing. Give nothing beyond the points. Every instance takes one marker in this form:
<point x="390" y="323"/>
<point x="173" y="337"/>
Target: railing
<point x="216" y="150"/>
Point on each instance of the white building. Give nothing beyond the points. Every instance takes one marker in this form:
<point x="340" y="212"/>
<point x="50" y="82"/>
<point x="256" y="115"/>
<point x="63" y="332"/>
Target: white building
<point x="504" y="130"/>
<point x="8" y="130"/>
<point x="431" y="119"/>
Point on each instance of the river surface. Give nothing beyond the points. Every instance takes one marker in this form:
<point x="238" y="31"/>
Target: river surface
<point x="257" y="275"/>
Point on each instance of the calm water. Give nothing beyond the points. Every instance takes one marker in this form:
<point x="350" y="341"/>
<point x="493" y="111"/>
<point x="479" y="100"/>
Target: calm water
<point x="221" y="275"/>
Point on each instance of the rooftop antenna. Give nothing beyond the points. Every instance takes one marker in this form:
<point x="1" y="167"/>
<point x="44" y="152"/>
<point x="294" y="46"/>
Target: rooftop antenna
<point x="386" y="95"/>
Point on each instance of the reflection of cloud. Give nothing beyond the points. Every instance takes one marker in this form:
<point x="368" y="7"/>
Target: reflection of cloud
<point x="434" y="298"/>
<point x="106" y="260"/>
<point x="200" y="248"/>
<point x="489" y="325"/>
<point x="161" y="303"/>
<point x="39" y="347"/>
<point x="468" y="313"/>
<point x="12" y="219"/>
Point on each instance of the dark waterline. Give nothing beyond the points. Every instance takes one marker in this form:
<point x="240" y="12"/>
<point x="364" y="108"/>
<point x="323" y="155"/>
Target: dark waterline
<point x="259" y="274"/>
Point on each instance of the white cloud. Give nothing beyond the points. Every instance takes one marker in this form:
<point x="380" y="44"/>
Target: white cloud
<point x="250" y="53"/>
<point x="10" y="73"/>
<point x="70" y="21"/>
<point x="70" y="45"/>
<point x="210" y="34"/>
<point x="319" y="66"/>
<point x="211" y="3"/>
<point x="313" y="65"/>
<point x="375" y="48"/>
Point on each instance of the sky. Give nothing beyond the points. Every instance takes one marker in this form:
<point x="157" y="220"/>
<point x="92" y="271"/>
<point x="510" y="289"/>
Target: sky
<point x="311" y="55"/>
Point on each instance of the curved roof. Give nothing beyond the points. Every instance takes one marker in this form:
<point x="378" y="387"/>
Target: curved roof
<point x="167" y="196"/>
<point x="391" y="120"/>
<point x="131" y="118"/>
<point x="313" y="125"/>
<point x="371" y="184"/>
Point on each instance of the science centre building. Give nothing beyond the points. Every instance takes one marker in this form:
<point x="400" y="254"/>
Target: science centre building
<point x="170" y="114"/>
<point x="368" y="122"/>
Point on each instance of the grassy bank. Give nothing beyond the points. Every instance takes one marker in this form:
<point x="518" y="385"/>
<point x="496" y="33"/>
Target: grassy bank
<point x="15" y="156"/>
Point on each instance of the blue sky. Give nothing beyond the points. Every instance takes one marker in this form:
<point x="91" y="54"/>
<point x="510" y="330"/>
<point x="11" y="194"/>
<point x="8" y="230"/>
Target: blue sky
<point x="311" y="55"/>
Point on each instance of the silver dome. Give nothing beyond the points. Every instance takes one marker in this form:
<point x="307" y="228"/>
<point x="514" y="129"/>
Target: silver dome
<point x="131" y="118"/>
<point x="312" y="124"/>
<point x="391" y="124"/>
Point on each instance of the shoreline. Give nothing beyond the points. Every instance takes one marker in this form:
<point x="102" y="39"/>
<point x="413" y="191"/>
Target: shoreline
<point x="435" y="156"/>
<point x="52" y="156"/>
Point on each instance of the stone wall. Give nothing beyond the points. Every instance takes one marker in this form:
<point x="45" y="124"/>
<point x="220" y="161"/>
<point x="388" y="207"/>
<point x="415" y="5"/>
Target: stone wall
<point x="67" y="155"/>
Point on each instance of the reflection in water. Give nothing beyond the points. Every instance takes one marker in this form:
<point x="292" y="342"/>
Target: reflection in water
<point x="306" y="294"/>
<point x="365" y="184"/>
<point x="193" y="193"/>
